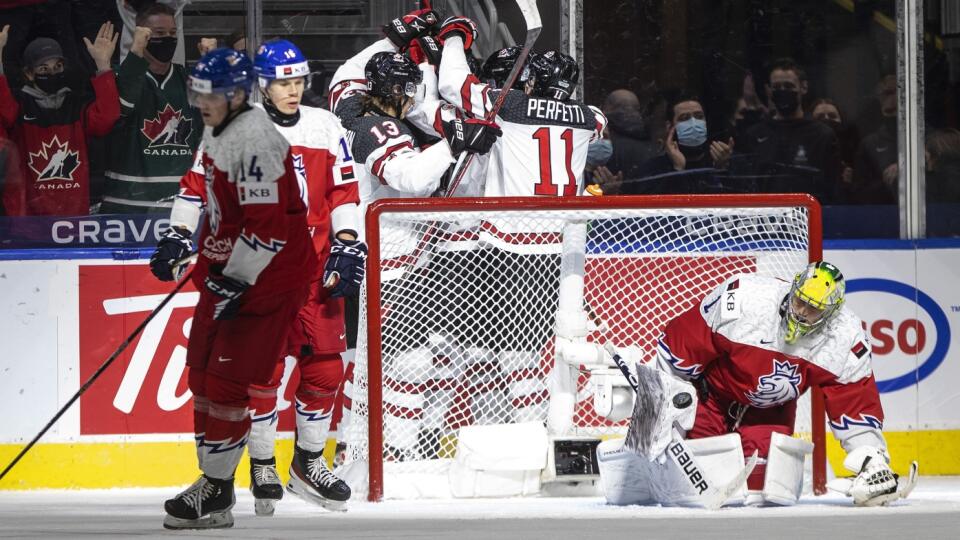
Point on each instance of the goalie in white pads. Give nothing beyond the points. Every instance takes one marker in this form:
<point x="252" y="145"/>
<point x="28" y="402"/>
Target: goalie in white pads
<point x="752" y="347"/>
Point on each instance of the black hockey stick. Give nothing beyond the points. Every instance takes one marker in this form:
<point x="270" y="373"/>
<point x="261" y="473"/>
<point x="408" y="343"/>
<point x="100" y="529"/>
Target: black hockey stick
<point x="105" y="365"/>
<point x="531" y="16"/>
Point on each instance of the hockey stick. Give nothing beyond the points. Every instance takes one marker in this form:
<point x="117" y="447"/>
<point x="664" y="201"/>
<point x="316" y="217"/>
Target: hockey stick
<point x="711" y="496"/>
<point x="106" y="364"/>
<point x="531" y="16"/>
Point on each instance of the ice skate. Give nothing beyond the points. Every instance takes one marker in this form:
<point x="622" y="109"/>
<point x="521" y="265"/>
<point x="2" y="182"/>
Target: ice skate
<point x="312" y="481"/>
<point x="204" y="505"/>
<point x="265" y="485"/>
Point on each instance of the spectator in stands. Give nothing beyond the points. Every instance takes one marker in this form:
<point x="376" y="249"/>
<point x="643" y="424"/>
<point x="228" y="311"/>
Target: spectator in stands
<point x="791" y="152"/>
<point x="236" y="40"/>
<point x="875" y="170"/>
<point x="86" y="17"/>
<point x="943" y="166"/>
<point x="749" y="110"/>
<point x="158" y="132"/>
<point x="49" y="121"/>
<point x="629" y="135"/>
<point x="128" y="13"/>
<point x="685" y="147"/>
<point x="30" y="19"/>
<point x="11" y="179"/>
<point x="826" y="111"/>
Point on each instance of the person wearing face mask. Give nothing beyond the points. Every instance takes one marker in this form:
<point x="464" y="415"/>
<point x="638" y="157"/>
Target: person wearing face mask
<point x="628" y="134"/>
<point x="875" y="169"/>
<point x="128" y="14"/>
<point x="826" y="111"/>
<point x="792" y="152"/>
<point x="686" y="146"/>
<point x="50" y="122"/>
<point x="153" y="144"/>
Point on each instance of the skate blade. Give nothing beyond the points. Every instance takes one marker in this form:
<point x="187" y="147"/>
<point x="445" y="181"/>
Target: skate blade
<point x="265" y="507"/>
<point x="296" y="487"/>
<point x="214" y="520"/>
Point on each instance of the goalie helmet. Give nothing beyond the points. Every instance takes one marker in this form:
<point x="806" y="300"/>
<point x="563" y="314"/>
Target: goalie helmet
<point x="392" y="75"/>
<point x="498" y="65"/>
<point x="554" y="74"/>
<point x="815" y="297"/>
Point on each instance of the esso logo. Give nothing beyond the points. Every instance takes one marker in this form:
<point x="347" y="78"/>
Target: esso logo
<point x="908" y="331"/>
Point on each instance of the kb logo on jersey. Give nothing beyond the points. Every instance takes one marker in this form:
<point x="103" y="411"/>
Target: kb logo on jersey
<point x="779" y="386"/>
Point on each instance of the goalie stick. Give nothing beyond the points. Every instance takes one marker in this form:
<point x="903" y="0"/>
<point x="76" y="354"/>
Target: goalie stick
<point x="531" y="16"/>
<point x="711" y="496"/>
<point x="96" y="374"/>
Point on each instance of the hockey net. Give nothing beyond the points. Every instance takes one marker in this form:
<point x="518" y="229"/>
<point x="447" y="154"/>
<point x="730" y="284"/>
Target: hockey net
<point x="458" y="321"/>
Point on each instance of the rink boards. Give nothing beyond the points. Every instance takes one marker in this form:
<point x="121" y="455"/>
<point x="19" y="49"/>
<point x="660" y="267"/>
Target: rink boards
<point x="63" y="317"/>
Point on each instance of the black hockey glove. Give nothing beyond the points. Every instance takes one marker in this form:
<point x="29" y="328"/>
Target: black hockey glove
<point x="402" y="30"/>
<point x="458" y="26"/>
<point x="229" y="290"/>
<point x="344" y="270"/>
<point x="471" y="135"/>
<point x="174" y="245"/>
<point x="426" y="49"/>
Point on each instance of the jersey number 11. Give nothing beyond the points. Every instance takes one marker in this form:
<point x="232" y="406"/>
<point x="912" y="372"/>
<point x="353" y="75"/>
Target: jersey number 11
<point x="546" y="186"/>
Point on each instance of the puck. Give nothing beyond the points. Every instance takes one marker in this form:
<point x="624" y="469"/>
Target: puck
<point x="682" y="400"/>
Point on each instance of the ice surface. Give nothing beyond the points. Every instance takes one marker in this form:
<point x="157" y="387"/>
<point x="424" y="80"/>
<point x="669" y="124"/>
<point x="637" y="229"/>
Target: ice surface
<point x="933" y="511"/>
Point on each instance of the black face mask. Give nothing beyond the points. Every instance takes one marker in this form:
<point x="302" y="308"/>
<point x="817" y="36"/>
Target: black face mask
<point x="629" y="123"/>
<point x="162" y="48"/>
<point x="786" y="101"/>
<point x="51" y="84"/>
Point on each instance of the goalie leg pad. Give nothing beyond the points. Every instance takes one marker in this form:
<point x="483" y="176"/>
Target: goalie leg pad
<point x="783" y="480"/>
<point x="624" y="475"/>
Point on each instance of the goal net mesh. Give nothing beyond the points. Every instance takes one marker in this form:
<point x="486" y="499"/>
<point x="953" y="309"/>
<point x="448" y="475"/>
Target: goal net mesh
<point x="463" y="317"/>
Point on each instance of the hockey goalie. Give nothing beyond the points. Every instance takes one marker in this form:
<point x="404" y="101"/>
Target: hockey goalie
<point x="724" y="383"/>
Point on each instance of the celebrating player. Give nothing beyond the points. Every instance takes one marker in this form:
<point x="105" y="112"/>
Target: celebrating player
<point x="328" y="187"/>
<point x="752" y="347"/>
<point x="255" y="262"/>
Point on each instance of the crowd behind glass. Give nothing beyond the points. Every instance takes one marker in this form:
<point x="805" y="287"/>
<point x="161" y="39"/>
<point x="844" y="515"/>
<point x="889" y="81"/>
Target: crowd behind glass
<point x="94" y="119"/>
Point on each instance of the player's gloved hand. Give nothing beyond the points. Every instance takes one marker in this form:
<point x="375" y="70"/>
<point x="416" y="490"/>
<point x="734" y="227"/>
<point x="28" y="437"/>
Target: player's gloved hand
<point x="402" y="30"/>
<point x="174" y="245"/>
<point x="426" y="49"/>
<point x="471" y="135"/>
<point x="875" y="482"/>
<point x="344" y="270"/>
<point x="458" y="26"/>
<point x="229" y="290"/>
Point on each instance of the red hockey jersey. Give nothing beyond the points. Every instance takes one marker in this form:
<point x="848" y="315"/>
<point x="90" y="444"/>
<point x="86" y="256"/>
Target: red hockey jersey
<point x="732" y="338"/>
<point x="256" y="227"/>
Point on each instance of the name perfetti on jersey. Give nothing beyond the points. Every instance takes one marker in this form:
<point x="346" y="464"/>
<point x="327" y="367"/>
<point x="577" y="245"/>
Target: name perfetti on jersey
<point x="551" y="109"/>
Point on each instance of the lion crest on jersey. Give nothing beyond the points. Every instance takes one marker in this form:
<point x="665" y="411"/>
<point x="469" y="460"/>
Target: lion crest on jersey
<point x="778" y="387"/>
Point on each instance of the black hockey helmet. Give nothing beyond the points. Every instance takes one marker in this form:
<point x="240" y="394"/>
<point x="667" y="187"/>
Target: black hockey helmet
<point x="498" y="65"/>
<point x="554" y="74"/>
<point x="392" y="75"/>
<point x="474" y="64"/>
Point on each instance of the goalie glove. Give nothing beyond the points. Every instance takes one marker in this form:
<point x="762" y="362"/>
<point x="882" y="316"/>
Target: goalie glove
<point x="174" y="245"/>
<point x="471" y="135"/>
<point x="343" y="273"/>
<point x="875" y="484"/>
<point x="458" y="26"/>
<point x="402" y="30"/>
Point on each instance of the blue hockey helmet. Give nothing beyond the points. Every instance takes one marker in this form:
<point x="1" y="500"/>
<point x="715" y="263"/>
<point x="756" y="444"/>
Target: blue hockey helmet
<point x="279" y="59"/>
<point x="221" y="71"/>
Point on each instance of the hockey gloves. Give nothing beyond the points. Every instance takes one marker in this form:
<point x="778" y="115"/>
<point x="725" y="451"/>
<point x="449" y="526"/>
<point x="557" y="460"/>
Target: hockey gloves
<point x="175" y="244"/>
<point x="458" y="26"/>
<point x="344" y="270"/>
<point x="471" y="135"/>
<point x="426" y="49"/>
<point x="229" y="290"/>
<point x="402" y="30"/>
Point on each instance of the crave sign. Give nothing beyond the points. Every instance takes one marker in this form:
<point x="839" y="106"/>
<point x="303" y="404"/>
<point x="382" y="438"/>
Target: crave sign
<point x="145" y="389"/>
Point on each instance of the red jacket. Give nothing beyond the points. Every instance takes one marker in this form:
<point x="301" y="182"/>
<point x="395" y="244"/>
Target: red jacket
<point x="53" y="147"/>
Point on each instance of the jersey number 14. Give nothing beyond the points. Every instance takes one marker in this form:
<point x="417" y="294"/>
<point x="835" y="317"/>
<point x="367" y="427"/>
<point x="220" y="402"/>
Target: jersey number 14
<point x="546" y="186"/>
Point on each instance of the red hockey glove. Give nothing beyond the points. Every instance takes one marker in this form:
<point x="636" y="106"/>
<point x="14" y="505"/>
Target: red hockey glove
<point x="402" y="30"/>
<point x="458" y="26"/>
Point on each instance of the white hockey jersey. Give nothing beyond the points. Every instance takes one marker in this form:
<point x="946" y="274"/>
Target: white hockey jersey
<point x="732" y="339"/>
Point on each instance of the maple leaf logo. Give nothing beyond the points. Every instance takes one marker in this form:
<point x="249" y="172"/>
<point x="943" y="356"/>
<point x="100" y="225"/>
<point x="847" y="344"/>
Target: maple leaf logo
<point x="169" y="128"/>
<point x="54" y="161"/>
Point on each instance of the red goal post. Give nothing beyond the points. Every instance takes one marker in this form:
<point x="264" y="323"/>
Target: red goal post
<point x="431" y="226"/>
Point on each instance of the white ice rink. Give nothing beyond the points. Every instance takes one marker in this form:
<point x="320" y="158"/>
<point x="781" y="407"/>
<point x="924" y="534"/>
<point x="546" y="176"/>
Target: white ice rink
<point x="932" y="511"/>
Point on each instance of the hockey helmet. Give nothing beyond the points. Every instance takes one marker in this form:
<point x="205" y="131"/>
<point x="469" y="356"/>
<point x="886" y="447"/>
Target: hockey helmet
<point x="553" y="73"/>
<point x="815" y="297"/>
<point x="220" y="71"/>
<point x="279" y="59"/>
<point x="498" y="65"/>
<point x="392" y="75"/>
